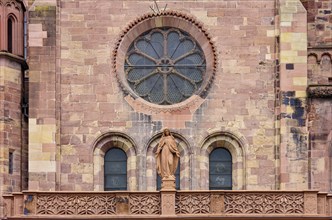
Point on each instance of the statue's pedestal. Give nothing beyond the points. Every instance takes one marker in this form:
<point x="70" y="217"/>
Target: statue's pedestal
<point x="168" y="184"/>
<point x="168" y="197"/>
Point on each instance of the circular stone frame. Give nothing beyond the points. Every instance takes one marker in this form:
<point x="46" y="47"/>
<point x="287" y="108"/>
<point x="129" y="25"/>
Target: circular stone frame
<point x="165" y="19"/>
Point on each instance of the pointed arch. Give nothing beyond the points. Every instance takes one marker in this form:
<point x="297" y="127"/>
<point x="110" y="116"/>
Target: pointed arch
<point x="11" y="23"/>
<point x="106" y="142"/>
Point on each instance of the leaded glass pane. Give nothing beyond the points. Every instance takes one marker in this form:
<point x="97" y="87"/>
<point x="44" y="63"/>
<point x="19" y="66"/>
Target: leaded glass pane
<point x="220" y="169"/>
<point x="165" y="66"/>
<point x="115" y="170"/>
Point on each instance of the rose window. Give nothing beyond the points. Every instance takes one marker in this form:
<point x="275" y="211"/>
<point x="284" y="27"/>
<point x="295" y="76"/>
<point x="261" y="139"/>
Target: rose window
<point x="165" y="66"/>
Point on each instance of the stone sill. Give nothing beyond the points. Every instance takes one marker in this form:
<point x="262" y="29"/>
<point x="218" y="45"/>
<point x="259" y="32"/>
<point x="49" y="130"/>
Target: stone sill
<point x="15" y="58"/>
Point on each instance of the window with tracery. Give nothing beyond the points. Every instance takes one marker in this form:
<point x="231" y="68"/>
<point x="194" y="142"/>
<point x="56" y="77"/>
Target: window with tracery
<point x="220" y="169"/>
<point x="165" y="66"/>
<point x="115" y="170"/>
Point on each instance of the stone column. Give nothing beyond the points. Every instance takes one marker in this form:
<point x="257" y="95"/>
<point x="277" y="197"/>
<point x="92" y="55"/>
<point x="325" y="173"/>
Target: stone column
<point x="42" y="96"/>
<point x="168" y="202"/>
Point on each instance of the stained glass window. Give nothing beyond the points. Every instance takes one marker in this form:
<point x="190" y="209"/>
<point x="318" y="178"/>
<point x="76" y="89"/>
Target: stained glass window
<point x="220" y="169"/>
<point x="165" y="66"/>
<point x="115" y="170"/>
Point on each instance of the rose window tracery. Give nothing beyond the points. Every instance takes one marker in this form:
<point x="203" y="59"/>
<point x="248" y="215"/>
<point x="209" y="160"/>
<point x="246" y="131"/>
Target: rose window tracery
<point x="165" y="66"/>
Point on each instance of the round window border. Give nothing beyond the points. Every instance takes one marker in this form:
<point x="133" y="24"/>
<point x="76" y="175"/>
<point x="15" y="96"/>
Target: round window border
<point x="175" y="19"/>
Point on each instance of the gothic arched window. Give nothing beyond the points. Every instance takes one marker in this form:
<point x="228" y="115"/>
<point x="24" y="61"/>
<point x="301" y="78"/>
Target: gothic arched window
<point x="165" y="66"/>
<point x="220" y="169"/>
<point x="10" y="34"/>
<point x="115" y="170"/>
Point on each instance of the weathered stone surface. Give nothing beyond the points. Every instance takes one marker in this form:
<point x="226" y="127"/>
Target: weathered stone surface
<point x="261" y="58"/>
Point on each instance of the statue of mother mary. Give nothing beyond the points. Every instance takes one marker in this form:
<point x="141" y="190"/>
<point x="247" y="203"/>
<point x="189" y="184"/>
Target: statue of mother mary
<point x="167" y="156"/>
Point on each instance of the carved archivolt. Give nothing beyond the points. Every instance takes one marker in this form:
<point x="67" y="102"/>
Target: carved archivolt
<point x="319" y="55"/>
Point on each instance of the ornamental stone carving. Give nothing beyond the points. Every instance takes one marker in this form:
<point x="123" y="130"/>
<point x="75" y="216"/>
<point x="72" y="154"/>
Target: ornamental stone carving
<point x="195" y="203"/>
<point x="71" y="204"/>
<point x="320" y="91"/>
<point x="144" y="204"/>
<point x="264" y="203"/>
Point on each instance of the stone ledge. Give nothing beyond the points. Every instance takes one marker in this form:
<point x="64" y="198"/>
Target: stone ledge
<point x="15" y="58"/>
<point x="320" y="91"/>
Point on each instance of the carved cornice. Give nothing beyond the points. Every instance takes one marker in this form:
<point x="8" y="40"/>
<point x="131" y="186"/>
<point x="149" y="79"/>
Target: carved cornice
<point x="321" y="91"/>
<point x="15" y="58"/>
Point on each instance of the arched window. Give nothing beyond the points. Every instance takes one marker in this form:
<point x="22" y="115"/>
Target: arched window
<point x="10" y="33"/>
<point x="115" y="170"/>
<point x="165" y="66"/>
<point x="177" y="179"/>
<point x="220" y="169"/>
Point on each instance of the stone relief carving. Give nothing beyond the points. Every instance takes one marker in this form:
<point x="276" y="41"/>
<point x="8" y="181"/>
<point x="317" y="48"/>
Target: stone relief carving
<point x="192" y="203"/>
<point x="310" y="203"/>
<point x="171" y="202"/>
<point x="320" y="91"/>
<point x="144" y="204"/>
<point x="51" y="204"/>
<point x="264" y="203"/>
<point x="168" y="203"/>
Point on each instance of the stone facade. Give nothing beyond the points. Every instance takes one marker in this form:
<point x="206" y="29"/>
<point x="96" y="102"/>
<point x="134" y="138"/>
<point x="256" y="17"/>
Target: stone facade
<point x="266" y="98"/>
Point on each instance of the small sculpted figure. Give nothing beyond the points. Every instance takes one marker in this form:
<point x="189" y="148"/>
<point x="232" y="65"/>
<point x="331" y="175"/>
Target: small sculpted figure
<point x="167" y="156"/>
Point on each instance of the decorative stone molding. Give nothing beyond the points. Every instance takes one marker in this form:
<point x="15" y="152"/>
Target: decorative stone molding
<point x="15" y="58"/>
<point x="310" y="202"/>
<point x="144" y="204"/>
<point x="149" y="21"/>
<point x="265" y="204"/>
<point x="320" y="91"/>
<point x="319" y="52"/>
<point x="168" y="203"/>
<point x="193" y="203"/>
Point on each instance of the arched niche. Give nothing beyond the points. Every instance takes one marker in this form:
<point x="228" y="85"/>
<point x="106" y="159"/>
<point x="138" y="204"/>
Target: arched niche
<point x="235" y="145"/>
<point x="114" y="140"/>
<point x="12" y="25"/>
<point x="185" y="162"/>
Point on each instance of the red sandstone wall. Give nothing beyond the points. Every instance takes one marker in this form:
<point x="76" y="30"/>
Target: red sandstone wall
<point x="319" y="22"/>
<point x="241" y="99"/>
